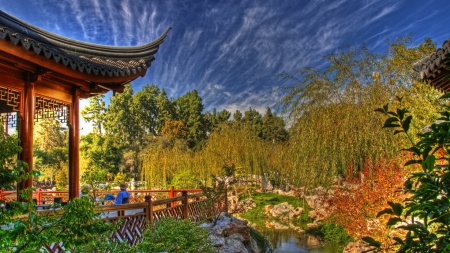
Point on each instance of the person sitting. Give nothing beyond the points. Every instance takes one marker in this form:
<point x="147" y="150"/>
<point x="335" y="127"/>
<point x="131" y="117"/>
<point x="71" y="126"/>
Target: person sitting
<point x="123" y="196"/>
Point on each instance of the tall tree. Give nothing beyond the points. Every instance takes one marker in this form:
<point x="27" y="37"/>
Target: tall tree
<point x="146" y="109"/>
<point x="95" y="112"/>
<point x="165" y="109"/>
<point x="51" y="147"/>
<point x="333" y="109"/>
<point x="120" y="118"/>
<point x="189" y="109"/>
<point x="273" y="128"/>
<point x="253" y="121"/>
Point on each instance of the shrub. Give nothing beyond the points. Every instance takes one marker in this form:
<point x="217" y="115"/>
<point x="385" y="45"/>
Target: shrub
<point x="333" y="232"/>
<point x="425" y="216"/>
<point x="354" y="204"/>
<point x="170" y="235"/>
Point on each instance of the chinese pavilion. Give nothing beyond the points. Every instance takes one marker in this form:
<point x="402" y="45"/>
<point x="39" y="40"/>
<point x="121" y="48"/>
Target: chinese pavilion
<point x="436" y="67"/>
<point x="45" y="75"/>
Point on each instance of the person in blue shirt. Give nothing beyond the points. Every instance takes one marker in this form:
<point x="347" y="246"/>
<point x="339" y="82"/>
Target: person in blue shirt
<point x="123" y="196"/>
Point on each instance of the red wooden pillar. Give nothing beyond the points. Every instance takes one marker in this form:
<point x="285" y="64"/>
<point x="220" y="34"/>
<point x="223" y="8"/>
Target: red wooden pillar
<point x="74" y="145"/>
<point x="26" y="128"/>
<point x="172" y="194"/>
<point x="39" y="196"/>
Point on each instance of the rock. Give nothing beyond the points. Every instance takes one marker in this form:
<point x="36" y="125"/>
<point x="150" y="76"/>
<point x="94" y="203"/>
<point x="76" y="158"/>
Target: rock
<point x="231" y="235"/>
<point x="284" y="211"/>
<point x="312" y="241"/>
<point x="236" y="206"/>
<point x="357" y="247"/>
<point x="312" y="225"/>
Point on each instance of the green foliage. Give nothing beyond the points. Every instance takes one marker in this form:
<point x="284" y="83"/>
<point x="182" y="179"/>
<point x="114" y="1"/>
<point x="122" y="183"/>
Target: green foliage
<point x="11" y="169"/>
<point x="185" y="179"/>
<point x="93" y="179"/>
<point x="62" y="179"/>
<point x="189" y="109"/>
<point x="215" y="194"/>
<point x="333" y="232"/>
<point x="170" y="235"/>
<point x="25" y="229"/>
<point x="78" y="226"/>
<point x="425" y="215"/>
<point x="95" y="113"/>
<point x="334" y="126"/>
<point x="51" y="148"/>
<point x="121" y="177"/>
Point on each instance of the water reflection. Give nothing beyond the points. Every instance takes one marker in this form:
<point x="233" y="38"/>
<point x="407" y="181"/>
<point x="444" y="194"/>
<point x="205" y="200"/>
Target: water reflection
<point x="290" y="241"/>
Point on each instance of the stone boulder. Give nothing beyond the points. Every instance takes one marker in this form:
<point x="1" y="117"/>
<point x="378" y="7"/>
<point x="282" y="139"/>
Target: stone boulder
<point x="230" y="234"/>
<point x="236" y="206"/>
<point x="283" y="211"/>
<point x="357" y="247"/>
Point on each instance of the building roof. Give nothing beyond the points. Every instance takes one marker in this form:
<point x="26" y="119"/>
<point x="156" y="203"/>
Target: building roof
<point x="435" y="67"/>
<point x="93" y="59"/>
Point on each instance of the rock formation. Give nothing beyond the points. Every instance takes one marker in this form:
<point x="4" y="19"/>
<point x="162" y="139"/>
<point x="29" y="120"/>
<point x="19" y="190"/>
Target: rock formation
<point x="231" y="235"/>
<point x="283" y="211"/>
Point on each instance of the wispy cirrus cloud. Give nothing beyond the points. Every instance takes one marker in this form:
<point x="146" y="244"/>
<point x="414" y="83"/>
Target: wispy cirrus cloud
<point x="229" y="50"/>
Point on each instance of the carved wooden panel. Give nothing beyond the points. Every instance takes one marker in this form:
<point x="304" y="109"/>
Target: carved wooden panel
<point x="49" y="108"/>
<point x="11" y="97"/>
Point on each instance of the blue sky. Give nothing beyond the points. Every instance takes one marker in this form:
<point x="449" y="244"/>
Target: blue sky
<point x="229" y="50"/>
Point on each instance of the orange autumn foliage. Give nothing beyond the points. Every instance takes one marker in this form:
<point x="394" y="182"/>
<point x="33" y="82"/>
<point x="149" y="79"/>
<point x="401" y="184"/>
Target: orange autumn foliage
<point x="355" y="202"/>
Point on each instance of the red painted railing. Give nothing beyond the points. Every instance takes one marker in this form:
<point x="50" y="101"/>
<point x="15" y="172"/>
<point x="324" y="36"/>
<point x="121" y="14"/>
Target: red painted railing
<point x="136" y="196"/>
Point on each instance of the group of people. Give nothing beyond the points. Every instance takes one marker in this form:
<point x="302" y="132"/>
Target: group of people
<point x="122" y="197"/>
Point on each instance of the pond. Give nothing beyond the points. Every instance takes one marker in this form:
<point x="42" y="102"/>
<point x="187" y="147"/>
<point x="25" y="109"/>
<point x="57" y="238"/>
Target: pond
<point x="291" y="241"/>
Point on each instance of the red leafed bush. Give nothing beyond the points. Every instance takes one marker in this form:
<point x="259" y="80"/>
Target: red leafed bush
<point x="355" y="202"/>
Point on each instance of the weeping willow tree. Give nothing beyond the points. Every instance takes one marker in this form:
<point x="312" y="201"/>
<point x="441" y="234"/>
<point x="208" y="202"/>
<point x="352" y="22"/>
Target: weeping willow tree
<point x="162" y="159"/>
<point x="334" y="126"/>
<point x="231" y="145"/>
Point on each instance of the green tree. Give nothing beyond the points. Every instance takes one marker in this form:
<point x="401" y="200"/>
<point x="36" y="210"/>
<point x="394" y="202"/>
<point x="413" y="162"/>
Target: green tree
<point x="120" y="118"/>
<point x="51" y="148"/>
<point x="165" y="109"/>
<point x="332" y="109"/>
<point x="189" y="109"/>
<point x="146" y="107"/>
<point x="253" y="121"/>
<point x="95" y="112"/>
<point x="273" y="128"/>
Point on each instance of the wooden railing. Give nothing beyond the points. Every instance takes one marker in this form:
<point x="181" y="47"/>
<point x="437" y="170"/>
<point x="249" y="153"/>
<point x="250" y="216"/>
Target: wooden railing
<point x="136" y="196"/>
<point x="136" y="216"/>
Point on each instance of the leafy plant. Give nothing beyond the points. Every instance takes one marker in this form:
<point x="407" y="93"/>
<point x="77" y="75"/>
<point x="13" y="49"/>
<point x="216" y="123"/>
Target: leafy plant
<point x="425" y="215"/>
<point x="216" y="197"/>
<point x="356" y="201"/>
<point x="170" y="235"/>
<point x="333" y="232"/>
<point x="24" y="229"/>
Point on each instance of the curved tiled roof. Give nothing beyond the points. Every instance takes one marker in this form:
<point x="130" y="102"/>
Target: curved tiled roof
<point x="435" y="66"/>
<point x="85" y="57"/>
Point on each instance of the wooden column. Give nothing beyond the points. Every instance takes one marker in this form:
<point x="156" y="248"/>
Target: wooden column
<point x="26" y="127"/>
<point x="74" y="145"/>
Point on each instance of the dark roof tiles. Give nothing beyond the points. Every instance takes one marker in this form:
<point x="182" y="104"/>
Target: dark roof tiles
<point x="84" y="57"/>
<point x="429" y="65"/>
